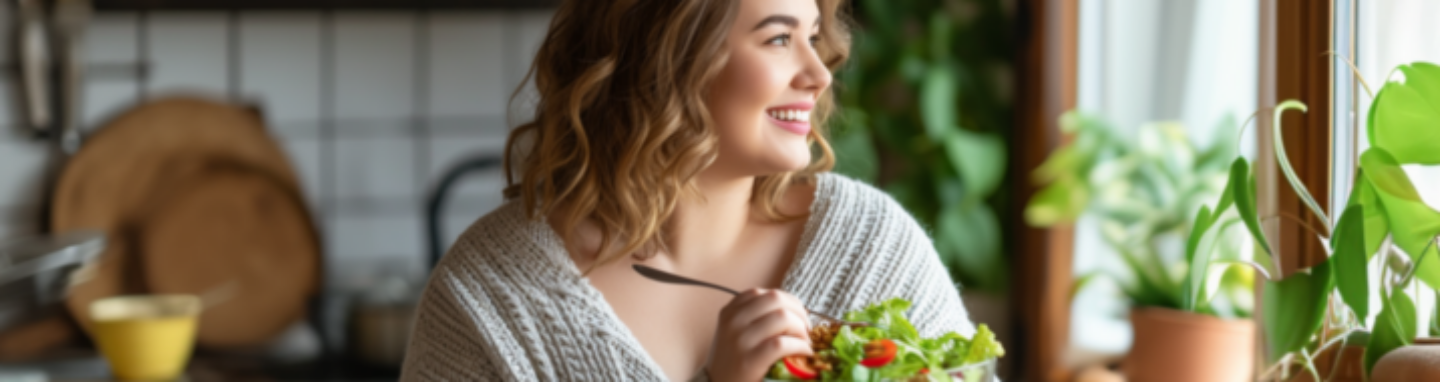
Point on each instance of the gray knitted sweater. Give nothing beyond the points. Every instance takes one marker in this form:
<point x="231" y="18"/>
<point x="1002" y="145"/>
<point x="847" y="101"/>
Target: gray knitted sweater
<point x="507" y="303"/>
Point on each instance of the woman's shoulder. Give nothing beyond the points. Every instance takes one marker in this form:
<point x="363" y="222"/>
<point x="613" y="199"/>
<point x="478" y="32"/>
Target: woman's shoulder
<point x="506" y="239"/>
<point x="844" y="200"/>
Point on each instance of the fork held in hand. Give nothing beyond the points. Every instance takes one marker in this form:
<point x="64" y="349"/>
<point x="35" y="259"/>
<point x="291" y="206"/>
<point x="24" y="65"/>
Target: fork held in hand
<point x="671" y="278"/>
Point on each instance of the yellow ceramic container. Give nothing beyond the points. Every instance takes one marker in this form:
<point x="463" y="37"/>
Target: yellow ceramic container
<point x="146" y="338"/>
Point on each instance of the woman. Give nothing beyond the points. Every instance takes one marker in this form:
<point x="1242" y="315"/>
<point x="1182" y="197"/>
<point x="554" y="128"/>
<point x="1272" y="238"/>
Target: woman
<point x="683" y="135"/>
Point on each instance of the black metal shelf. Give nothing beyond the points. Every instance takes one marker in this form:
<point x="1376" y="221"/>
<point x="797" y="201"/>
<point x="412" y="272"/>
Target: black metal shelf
<point x="130" y="5"/>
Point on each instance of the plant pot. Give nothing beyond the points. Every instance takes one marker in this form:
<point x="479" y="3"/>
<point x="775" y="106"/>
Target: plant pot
<point x="1176" y="346"/>
<point x="1418" y="362"/>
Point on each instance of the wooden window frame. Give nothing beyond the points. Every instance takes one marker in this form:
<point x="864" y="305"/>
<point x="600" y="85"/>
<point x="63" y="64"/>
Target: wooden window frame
<point x="1047" y="83"/>
<point x="1296" y="39"/>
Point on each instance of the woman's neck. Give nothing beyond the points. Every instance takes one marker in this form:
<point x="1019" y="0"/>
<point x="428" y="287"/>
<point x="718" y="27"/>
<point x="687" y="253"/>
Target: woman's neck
<point x="705" y="227"/>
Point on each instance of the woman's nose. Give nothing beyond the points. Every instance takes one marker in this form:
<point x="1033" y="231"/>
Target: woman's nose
<point x="814" y="75"/>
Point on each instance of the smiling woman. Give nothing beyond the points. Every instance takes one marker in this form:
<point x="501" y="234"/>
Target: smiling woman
<point x="687" y="136"/>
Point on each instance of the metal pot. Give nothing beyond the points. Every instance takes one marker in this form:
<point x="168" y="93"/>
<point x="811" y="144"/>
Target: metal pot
<point x="34" y="272"/>
<point x="381" y="321"/>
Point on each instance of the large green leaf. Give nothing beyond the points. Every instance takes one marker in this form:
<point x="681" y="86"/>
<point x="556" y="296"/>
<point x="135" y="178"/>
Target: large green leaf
<point x="1351" y="275"/>
<point x="1196" y="261"/>
<point x="1064" y="160"/>
<point x="1413" y="224"/>
<point x="1394" y="328"/>
<point x="1406" y="117"/>
<point x="938" y="102"/>
<point x="969" y="235"/>
<point x="855" y="154"/>
<point x="1060" y="202"/>
<point x="1202" y="224"/>
<point x="1286" y="168"/>
<point x="980" y="159"/>
<point x="1242" y="186"/>
<point x="1294" y="308"/>
<point x="1199" y="267"/>
<point x="1376" y="228"/>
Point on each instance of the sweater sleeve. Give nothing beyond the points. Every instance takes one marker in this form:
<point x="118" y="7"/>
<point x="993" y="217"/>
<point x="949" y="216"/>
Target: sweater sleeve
<point x="935" y="299"/>
<point x="446" y="344"/>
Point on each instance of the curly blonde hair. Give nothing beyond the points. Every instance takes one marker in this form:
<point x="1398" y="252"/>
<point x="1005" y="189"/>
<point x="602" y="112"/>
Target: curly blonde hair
<point x="621" y="127"/>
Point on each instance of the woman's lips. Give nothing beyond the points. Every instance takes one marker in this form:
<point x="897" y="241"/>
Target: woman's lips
<point x="794" y="117"/>
<point x="798" y="127"/>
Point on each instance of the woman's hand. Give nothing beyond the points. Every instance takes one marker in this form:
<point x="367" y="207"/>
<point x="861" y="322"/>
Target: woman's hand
<point x="757" y="328"/>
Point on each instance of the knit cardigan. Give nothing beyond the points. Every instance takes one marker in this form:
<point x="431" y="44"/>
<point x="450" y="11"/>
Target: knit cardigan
<point x="508" y="304"/>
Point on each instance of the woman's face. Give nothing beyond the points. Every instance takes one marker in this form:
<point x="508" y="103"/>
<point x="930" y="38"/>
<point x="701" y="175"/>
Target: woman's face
<point x="762" y="99"/>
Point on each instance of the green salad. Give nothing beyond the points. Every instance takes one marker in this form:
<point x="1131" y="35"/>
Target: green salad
<point x="888" y="349"/>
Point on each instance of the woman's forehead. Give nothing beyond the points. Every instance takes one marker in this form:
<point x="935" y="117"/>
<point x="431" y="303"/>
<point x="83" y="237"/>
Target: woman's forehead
<point x="753" y="12"/>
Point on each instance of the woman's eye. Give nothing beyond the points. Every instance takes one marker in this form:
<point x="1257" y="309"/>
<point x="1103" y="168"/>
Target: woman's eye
<point x="781" y="40"/>
<point x="814" y="40"/>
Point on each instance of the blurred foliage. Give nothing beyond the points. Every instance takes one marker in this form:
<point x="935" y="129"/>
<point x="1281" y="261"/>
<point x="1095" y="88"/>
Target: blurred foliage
<point x="1142" y="187"/>
<point x="925" y="115"/>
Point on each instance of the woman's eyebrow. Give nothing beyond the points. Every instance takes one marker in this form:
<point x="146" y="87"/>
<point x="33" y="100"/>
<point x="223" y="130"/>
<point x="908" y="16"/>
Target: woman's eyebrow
<point x="790" y="21"/>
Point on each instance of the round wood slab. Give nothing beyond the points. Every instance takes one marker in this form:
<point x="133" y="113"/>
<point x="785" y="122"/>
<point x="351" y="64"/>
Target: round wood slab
<point x="242" y="241"/>
<point x="144" y="179"/>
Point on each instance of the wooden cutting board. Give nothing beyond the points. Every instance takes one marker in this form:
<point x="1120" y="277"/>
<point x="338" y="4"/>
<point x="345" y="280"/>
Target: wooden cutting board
<point x="195" y="197"/>
<point x="241" y="239"/>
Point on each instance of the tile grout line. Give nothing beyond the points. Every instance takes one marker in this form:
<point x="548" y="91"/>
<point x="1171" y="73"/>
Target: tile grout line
<point x="420" y="112"/>
<point x="142" y="54"/>
<point x="233" y="51"/>
<point x="327" y="119"/>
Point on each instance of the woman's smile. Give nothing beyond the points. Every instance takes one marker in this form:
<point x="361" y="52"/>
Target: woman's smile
<point x="794" y="117"/>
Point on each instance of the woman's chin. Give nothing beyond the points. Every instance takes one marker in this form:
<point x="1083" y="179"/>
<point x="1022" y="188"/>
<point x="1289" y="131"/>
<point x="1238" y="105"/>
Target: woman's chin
<point x="793" y="161"/>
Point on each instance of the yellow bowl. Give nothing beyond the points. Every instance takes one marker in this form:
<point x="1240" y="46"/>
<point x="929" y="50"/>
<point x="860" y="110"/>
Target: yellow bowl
<point x="146" y="338"/>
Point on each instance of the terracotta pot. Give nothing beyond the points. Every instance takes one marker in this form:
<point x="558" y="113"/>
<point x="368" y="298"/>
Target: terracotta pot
<point x="1418" y="362"/>
<point x="1176" y="346"/>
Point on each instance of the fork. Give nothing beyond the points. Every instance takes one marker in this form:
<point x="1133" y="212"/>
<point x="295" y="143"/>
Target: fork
<point x="671" y="278"/>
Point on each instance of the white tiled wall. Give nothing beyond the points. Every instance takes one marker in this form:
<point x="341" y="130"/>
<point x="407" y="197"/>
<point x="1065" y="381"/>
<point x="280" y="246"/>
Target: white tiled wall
<point x="371" y="107"/>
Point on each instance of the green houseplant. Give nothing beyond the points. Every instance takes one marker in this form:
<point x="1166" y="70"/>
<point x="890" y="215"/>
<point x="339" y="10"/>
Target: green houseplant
<point x="1384" y="222"/>
<point x="1141" y="187"/>
<point x="925" y="102"/>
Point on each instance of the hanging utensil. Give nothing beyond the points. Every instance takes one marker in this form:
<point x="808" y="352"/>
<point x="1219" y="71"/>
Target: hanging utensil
<point x="33" y="49"/>
<point x="71" y="17"/>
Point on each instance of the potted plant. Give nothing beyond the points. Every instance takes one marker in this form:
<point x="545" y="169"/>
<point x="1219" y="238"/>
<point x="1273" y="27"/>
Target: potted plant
<point x="1315" y="313"/>
<point x="1142" y="187"/>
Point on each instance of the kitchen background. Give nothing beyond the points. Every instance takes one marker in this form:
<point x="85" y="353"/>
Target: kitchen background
<point x="370" y="106"/>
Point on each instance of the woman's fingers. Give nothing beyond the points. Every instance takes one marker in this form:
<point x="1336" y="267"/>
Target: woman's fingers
<point x="757" y="328"/>
<point x="745" y="309"/>
<point x="744" y="299"/>
<point x="794" y="305"/>
<point x="773" y="349"/>
<point x="778" y="322"/>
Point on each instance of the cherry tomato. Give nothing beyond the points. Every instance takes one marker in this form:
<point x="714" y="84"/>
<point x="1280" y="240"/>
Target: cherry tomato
<point x="878" y="353"/>
<point x="799" y="366"/>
